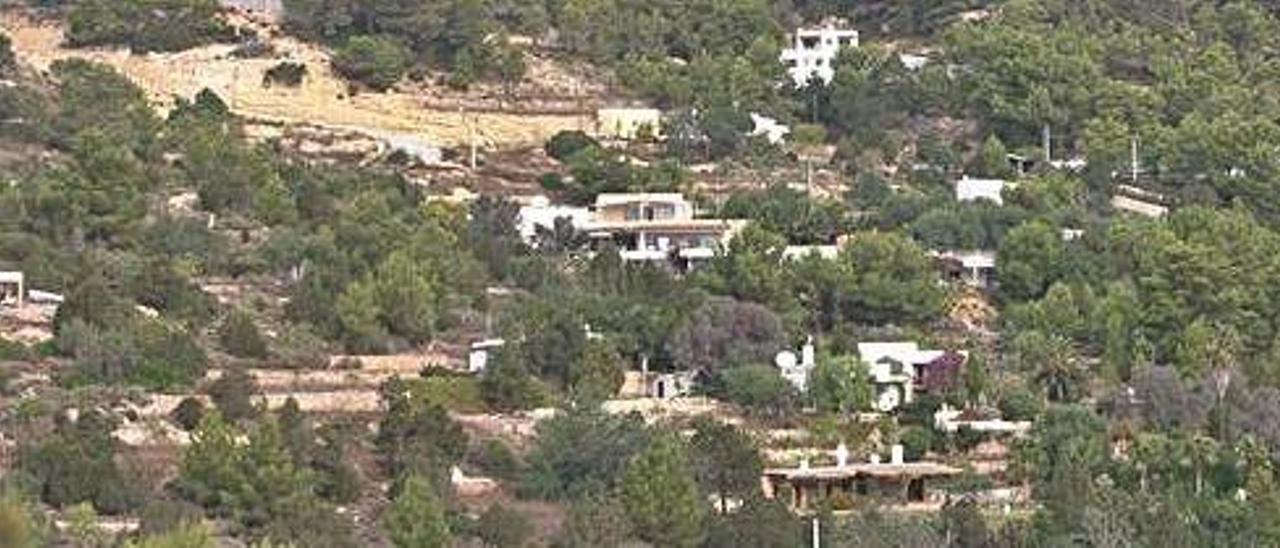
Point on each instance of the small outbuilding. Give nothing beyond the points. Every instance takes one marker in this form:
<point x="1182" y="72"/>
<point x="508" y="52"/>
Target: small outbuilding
<point x="13" y="288"/>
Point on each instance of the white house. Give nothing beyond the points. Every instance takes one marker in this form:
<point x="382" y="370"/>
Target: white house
<point x="541" y="213"/>
<point x="478" y="359"/>
<point x="658" y="227"/>
<point x="813" y="53"/>
<point x="975" y="267"/>
<point x="895" y="368"/>
<point x="970" y="190"/>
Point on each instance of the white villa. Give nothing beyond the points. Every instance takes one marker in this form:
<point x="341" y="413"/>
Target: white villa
<point x="971" y="190"/>
<point x="813" y="53"/>
<point x="896" y="368"/>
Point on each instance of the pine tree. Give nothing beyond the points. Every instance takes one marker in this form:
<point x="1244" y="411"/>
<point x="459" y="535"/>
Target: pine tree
<point x="416" y="519"/>
<point x="662" y="498"/>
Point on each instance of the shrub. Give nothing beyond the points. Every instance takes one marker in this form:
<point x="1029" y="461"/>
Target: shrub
<point x="916" y="441"/>
<point x="233" y="394"/>
<point x="188" y="414"/>
<point x="501" y="527"/>
<point x="14" y="351"/>
<point x="496" y="459"/>
<point x="240" y="337"/>
<point x="154" y="25"/>
<point x="1019" y="404"/>
<point x="565" y="144"/>
<point x="375" y="61"/>
<point x="551" y="182"/>
<point x="758" y="389"/>
<point x="287" y="74"/>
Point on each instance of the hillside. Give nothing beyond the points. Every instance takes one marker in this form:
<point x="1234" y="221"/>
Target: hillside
<point x="431" y="114"/>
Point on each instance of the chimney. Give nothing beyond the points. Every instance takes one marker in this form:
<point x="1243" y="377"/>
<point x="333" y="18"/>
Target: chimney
<point x="842" y="455"/>
<point x="896" y="454"/>
<point x="875" y="458"/>
<point x="806" y="354"/>
<point x="804" y="463"/>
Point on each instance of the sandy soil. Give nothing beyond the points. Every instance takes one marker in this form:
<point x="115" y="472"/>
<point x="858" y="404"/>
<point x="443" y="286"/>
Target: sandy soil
<point x="322" y="99"/>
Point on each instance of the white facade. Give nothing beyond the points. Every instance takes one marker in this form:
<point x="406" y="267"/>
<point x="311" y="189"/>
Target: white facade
<point x="665" y="386"/>
<point x="813" y="53"/>
<point x="893" y="368"/>
<point x="12" y="288"/>
<point x="658" y="227"/>
<point x="801" y="252"/>
<point x="478" y="359"/>
<point x="542" y="213"/>
<point x="978" y="267"/>
<point x="971" y="190"/>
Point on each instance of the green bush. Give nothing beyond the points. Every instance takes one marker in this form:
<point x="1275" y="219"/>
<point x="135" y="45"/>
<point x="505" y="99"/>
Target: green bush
<point x="916" y="442"/>
<point x="1020" y="404"/>
<point x="565" y="144"/>
<point x="145" y="25"/>
<point x="188" y="414"/>
<point x="501" y="527"/>
<point x="240" y="337"/>
<point x="375" y="61"/>
<point x="285" y="74"/>
<point x="496" y="459"/>
<point x="233" y="393"/>
<point x="14" y="351"/>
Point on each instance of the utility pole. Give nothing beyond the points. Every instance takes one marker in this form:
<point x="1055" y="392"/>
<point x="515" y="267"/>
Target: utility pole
<point x="1047" y="142"/>
<point x="1133" y="159"/>
<point x="817" y="533"/>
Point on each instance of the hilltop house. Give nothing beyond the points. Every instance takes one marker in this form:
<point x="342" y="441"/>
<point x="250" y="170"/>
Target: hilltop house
<point x="899" y="369"/>
<point x="813" y="53"/>
<point x="976" y="268"/>
<point x="641" y="226"/>
<point x="658" y="227"/>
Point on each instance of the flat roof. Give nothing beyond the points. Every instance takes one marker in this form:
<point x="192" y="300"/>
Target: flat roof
<point x="865" y="469"/>
<point x="616" y="198"/>
<point x="669" y="225"/>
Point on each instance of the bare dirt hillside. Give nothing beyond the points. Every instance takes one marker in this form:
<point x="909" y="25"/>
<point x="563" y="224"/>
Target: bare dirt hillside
<point x="323" y="99"/>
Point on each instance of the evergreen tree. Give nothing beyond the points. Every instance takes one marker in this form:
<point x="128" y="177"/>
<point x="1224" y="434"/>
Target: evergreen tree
<point x="661" y="496"/>
<point x="416" y="518"/>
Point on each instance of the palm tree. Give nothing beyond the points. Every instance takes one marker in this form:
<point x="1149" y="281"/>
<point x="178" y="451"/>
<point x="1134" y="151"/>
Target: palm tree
<point x="1060" y="370"/>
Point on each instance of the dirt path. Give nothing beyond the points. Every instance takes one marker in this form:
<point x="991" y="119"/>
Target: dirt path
<point x="321" y="100"/>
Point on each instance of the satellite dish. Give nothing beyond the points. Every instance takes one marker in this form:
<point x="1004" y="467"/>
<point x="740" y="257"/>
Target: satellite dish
<point x="786" y="359"/>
